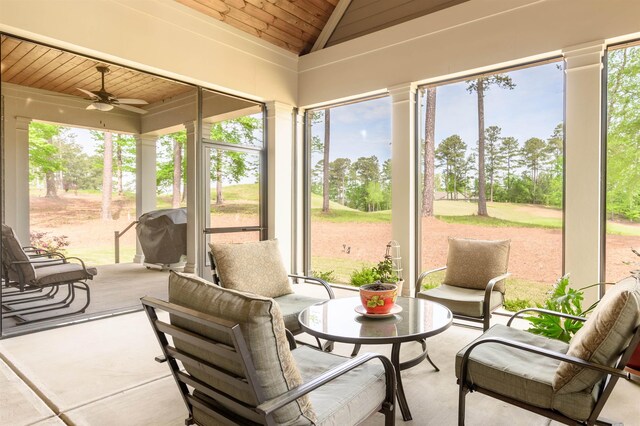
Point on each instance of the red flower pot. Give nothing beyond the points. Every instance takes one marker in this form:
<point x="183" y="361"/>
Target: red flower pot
<point x="378" y="298"/>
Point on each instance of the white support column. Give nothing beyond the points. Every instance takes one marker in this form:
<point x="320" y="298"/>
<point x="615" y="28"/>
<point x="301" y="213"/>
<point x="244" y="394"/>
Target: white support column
<point x="403" y="203"/>
<point x="299" y="193"/>
<point x="583" y="94"/>
<point x="145" y="181"/>
<point x="19" y="163"/>
<point x="279" y="175"/>
<point x="193" y="157"/>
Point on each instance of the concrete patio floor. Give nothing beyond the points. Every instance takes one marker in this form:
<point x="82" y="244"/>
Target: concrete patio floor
<point x="103" y="373"/>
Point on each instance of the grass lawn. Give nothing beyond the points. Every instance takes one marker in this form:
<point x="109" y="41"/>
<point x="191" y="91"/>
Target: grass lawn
<point x="100" y="255"/>
<point x="342" y="268"/>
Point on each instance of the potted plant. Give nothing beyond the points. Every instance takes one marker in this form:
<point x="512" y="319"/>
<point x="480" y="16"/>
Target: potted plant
<point x="378" y="298"/>
<point x="387" y="270"/>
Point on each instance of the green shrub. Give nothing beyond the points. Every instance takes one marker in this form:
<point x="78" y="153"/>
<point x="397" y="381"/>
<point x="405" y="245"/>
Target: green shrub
<point x="364" y="276"/>
<point x="385" y="271"/>
<point x="328" y="276"/>
<point x="563" y="299"/>
<point x="515" y="305"/>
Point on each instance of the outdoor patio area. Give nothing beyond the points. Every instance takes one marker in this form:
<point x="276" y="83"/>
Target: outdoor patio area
<point x="103" y="373"/>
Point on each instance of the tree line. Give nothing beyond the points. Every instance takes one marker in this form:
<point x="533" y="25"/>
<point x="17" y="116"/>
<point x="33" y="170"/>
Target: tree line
<point x="58" y="160"/>
<point x="623" y="134"/>
<point x="531" y="173"/>
<point x="363" y="184"/>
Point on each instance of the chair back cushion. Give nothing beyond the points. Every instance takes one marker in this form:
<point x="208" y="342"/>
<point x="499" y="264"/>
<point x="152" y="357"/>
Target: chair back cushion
<point x="473" y="263"/>
<point x="602" y="339"/>
<point x="262" y="327"/>
<point x="12" y="252"/>
<point x="254" y="267"/>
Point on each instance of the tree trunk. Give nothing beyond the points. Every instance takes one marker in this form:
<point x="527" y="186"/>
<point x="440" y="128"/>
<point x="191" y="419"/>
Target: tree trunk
<point x="119" y="167"/>
<point x="107" y="176"/>
<point x="177" y="173"/>
<point x="429" y="153"/>
<point x="325" y="163"/>
<point x="219" y="199"/>
<point x="50" y="179"/>
<point x="491" y="188"/>
<point x="482" y="197"/>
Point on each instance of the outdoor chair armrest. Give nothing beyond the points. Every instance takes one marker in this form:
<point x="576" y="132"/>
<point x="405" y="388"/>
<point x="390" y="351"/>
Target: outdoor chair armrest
<point x="486" y="305"/>
<point x="424" y="275"/>
<point x="317" y="280"/>
<point x="291" y="339"/>
<point x="464" y="366"/>
<point x="40" y="263"/>
<point x="34" y="251"/>
<point x="545" y="311"/>
<point x="280" y="401"/>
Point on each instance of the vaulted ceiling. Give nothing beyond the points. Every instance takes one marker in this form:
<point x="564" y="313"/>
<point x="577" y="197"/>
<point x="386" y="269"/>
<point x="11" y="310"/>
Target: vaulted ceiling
<point x="295" y="25"/>
<point x="291" y="24"/>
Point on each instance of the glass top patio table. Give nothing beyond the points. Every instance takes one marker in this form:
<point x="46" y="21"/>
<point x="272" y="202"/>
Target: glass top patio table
<point x="337" y="321"/>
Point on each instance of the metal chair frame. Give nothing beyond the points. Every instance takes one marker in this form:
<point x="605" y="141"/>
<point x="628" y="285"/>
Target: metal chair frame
<point x="487" y="312"/>
<point x="261" y="410"/>
<point x="26" y="292"/>
<point x="611" y="375"/>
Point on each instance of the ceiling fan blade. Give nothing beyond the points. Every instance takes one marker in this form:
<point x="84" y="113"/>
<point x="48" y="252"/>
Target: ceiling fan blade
<point x="88" y="93"/>
<point x="131" y="101"/>
<point x="131" y="108"/>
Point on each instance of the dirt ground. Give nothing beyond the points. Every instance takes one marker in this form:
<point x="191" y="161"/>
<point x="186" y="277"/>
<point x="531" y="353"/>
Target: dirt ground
<point x="536" y="253"/>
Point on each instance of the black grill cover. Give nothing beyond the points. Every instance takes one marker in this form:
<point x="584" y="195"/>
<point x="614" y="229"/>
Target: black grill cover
<point x="163" y="235"/>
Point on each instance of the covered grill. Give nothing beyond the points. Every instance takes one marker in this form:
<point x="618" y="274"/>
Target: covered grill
<point x="163" y="235"/>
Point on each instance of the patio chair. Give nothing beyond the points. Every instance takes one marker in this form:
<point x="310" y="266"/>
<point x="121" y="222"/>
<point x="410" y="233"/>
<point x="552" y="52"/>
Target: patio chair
<point x="256" y="267"/>
<point x="240" y="367"/>
<point x="569" y="383"/>
<point x="474" y="283"/>
<point x="37" y="279"/>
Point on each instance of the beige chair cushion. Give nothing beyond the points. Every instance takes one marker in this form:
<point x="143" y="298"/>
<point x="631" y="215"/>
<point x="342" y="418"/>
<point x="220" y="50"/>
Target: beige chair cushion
<point x="63" y="273"/>
<point x="473" y="263"/>
<point x="462" y="301"/>
<point x="254" y="267"/>
<point x="523" y="375"/>
<point x="346" y="400"/>
<point x="603" y="337"/>
<point x="263" y="329"/>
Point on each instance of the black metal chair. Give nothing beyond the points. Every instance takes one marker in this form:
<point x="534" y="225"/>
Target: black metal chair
<point x="239" y="368"/>
<point x="266" y="256"/>
<point x="474" y="284"/>
<point x="33" y="279"/>
<point x="569" y="383"/>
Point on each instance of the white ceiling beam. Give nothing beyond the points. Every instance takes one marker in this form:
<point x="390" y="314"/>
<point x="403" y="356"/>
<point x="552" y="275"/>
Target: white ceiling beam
<point x="331" y="25"/>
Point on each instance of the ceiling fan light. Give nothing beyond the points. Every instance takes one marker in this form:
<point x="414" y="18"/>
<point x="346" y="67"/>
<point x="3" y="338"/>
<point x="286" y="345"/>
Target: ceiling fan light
<point x="101" y="106"/>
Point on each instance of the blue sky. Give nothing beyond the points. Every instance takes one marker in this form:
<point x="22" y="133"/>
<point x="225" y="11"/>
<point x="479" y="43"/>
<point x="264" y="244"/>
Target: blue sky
<point x="532" y="109"/>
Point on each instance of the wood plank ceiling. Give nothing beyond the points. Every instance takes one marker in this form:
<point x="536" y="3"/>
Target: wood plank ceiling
<point x="291" y="24"/>
<point x="33" y="65"/>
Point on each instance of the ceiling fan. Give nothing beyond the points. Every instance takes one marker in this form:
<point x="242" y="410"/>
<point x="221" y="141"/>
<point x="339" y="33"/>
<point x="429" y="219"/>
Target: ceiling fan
<point x="105" y="101"/>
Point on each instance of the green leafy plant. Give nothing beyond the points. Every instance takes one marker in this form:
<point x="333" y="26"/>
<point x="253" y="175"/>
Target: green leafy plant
<point x="385" y="271"/>
<point x="563" y="299"/>
<point x="364" y="276"/>
<point x="328" y="276"/>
